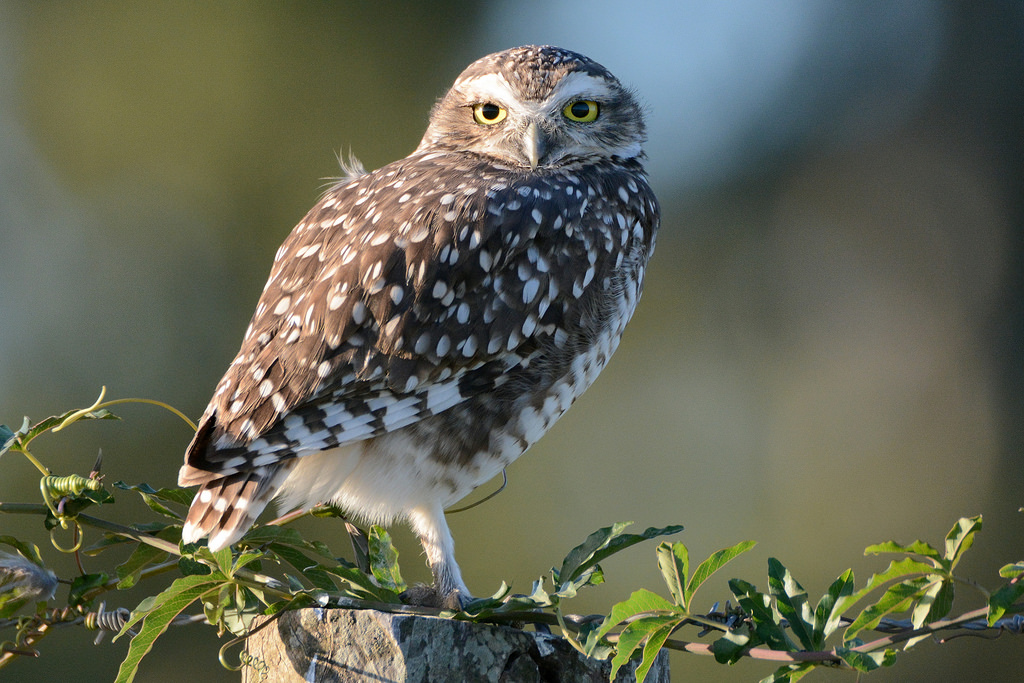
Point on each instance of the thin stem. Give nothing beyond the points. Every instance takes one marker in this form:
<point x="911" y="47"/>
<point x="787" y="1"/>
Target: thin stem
<point x="128" y="532"/>
<point x="79" y="414"/>
<point x="927" y="629"/>
<point x="566" y="634"/>
<point x="32" y="459"/>
<point x="151" y="402"/>
<point x="99" y="405"/>
<point x="262" y="580"/>
<point x="752" y="652"/>
<point x="288" y="518"/>
<point x="144" y="574"/>
<point x="975" y="585"/>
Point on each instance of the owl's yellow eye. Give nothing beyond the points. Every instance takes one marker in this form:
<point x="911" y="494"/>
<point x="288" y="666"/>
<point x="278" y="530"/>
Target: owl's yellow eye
<point x="488" y="113"/>
<point x="581" y="111"/>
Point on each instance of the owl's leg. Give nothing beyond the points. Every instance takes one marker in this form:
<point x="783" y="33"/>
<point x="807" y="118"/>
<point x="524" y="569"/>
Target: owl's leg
<point x="428" y="523"/>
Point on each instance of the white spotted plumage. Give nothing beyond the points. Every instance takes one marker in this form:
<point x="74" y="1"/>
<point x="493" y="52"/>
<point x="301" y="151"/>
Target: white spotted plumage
<point x="427" y="322"/>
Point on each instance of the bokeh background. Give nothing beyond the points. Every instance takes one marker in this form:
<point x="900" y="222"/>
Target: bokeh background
<point x="828" y="353"/>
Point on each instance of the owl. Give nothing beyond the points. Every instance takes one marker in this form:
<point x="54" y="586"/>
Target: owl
<point x="427" y="322"/>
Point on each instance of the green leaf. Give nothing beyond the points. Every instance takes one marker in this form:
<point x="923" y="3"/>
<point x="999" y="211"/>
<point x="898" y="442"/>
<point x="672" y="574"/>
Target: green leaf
<point x="960" y="538"/>
<point x="503" y="603"/>
<point x="244" y="559"/>
<point x="593" y="576"/>
<point x="298" y="601"/>
<point x="539" y="596"/>
<point x="189" y="567"/>
<point x="934" y="604"/>
<point x="766" y="620"/>
<point x="108" y="541"/>
<point x="1003" y="599"/>
<point x="320" y="548"/>
<point x="1012" y="571"/>
<point x="826" y="615"/>
<point x="239" y="610"/>
<point x="897" y="569"/>
<point x="640" y="602"/>
<point x="214" y="603"/>
<point x="916" y="548"/>
<point x="165" y="606"/>
<point x="653" y="646"/>
<point x="223" y="559"/>
<point x="570" y="588"/>
<point x="74" y="505"/>
<point x="384" y="560"/>
<point x="603" y="543"/>
<point x="178" y="585"/>
<point x="866" y="661"/>
<point x="27" y="550"/>
<point x="83" y="584"/>
<point x="362" y="586"/>
<point x="588" y="637"/>
<point x="273" y="534"/>
<point x="711" y="565"/>
<point x="179" y="496"/>
<point x="898" y="598"/>
<point x="674" y="563"/>
<point x="26" y="435"/>
<point x="311" y="569"/>
<point x="636" y="633"/>
<point x="11" y="602"/>
<point x="294" y="585"/>
<point x="129" y="570"/>
<point x="730" y="647"/>
<point x="263" y="535"/>
<point x="629" y="641"/>
<point x="6" y="438"/>
<point x="792" y="602"/>
<point x="488" y="605"/>
<point x="789" y="674"/>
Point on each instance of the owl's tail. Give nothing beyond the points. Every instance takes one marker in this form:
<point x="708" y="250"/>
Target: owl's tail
<point x="225" y="508"/>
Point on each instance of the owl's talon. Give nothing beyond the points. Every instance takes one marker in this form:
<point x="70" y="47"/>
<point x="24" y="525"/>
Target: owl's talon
<point x="423" y="595"/>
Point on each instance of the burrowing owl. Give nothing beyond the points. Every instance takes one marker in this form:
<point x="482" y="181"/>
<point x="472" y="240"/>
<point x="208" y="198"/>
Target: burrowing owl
<point x="427" y="322"/>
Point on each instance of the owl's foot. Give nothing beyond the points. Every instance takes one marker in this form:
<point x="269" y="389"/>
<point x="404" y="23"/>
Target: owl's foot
<point x="429" y="596"/>
<point x="448" y="591"/>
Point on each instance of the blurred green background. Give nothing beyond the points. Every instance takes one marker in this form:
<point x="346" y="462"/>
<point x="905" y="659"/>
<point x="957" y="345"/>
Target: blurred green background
<point x="829" y="349"/>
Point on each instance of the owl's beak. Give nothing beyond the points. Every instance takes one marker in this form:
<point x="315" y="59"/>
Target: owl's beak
<point x="534" y="144"/>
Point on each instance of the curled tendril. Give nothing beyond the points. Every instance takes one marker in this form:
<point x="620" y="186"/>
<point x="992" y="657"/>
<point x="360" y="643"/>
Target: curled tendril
<point x="257" y="664"/>
<point x="99" y="405"/>
<point x="222" y="654"/>
<point x="54" y="488"/>
<point x="79" y="414"/>
<point x="244" y="659"/>
<point x="79" y="536"/>
<point x="492" y="494"/>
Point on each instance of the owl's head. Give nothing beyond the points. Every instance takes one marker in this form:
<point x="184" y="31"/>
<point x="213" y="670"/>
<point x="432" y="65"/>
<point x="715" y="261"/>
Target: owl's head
<point x="536" y="106"/>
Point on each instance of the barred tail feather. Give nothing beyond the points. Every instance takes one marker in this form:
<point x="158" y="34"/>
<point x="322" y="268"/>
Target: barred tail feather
<point x="224" y="508"/>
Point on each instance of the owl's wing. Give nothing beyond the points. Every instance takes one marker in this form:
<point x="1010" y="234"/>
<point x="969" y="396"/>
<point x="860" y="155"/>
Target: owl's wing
<point x="400" y="294"/>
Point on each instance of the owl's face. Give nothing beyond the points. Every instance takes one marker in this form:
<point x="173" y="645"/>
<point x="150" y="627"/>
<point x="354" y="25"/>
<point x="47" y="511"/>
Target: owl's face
<point x="534" y="107"/>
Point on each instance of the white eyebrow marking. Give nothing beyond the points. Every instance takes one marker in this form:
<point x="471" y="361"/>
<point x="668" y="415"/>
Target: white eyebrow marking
<point x="488" y="87"/>
<point x="575" y="86"/>
<point x="580" y="86"/>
